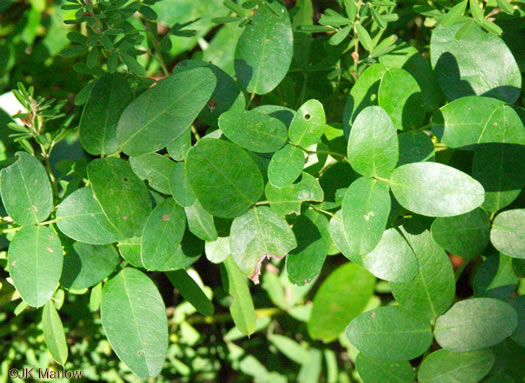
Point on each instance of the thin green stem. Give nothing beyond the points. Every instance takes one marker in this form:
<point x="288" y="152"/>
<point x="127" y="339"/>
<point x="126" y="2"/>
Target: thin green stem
<point x="195" y="133"/>
<point x="260" y="203"/>
<point x="226" y="317"/>
<point x="323" y="211"/>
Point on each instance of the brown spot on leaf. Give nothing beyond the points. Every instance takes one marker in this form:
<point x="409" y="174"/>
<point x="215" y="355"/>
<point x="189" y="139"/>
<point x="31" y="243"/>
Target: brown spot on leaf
<point x="140" y="352"/>
<point x="36" y="181"/>
<point x="373" y="314"/>
<point x="166" y="217"/>
<point x="49" y="249"/>
<point x="35" y="209"/>
<point x="257" y="271"/>
<point x="125" y="218"/>
<point x="13" y="264"/>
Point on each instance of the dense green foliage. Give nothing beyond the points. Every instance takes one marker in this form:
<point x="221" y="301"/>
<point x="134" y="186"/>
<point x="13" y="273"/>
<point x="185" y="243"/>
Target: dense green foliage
<point x="263" y="190"/>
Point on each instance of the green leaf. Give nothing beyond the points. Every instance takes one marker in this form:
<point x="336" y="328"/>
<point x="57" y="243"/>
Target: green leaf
<point x="224" y="178"/>
<point x="265" y="49"/>
<point x="109" y="97"/>
<point x="217" y="251"/>
<point x="415" y="146"/>
<point x="478" y="64"/>
<point x="187" y="252"/>
<point x="379" y="371"/>
<point x="227" y="95"/>
<point x="200" y="222"/>
<point x="455" y="14"/>
<point x="477" y="12"/>
<point x="180" y="189"/>
<point x="433" y="289"/>
<point x="86" y="265"/>
<point x="179" y="148"/>
<point x="389" y="333"/>
<point x="450" y="367"/>
<point x="122" y="196"/>
<point x="305" y="262"/>
<point x="291" y="349"/>
<point x="26" y="190"/>
<point x="254" y="131"/>
<point x="35" y="263"/>
<point x="340" y="238"/>
<point x="400" y="96"/>
<point x="373" y="147"/>
<point x="501" y="170"/>
<point x="162" y="234"/>
<point x="286" y="166"/>
<point x="134" y="320"/>
<point x="364" y="37"/>
<point x="288" y="199"/>
<point x="477" y="120"/>
<point x="392" y="259"/>
<point x="508" y="233"/>
<point x="241" y="309"/>
<point x="474" y="324"/>
<point x="518" y="335"/>
<point x="132" y="64"/>
<point x="341" y="297"/>
<point x="54" y="333"/>
<point x="257" y="235"/>
<point x="163" y="113"/>
<point x="495" y="278"/>
<point x="435" y="190"/>
<point x="362" y="94"/>
<point x="81" y="218"/>
<point x="308" y="124"/>
<point x="190" y="291"/>
<point x="129" y="249"/>
<point x="365" y="211"/>
<point x="155" y="169"/>
<point x="466" y="235"/>
<point x="505" y="6"/>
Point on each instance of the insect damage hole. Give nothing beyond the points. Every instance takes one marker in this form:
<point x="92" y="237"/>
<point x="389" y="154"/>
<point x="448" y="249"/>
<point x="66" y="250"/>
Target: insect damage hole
<point x="307" y="116"/>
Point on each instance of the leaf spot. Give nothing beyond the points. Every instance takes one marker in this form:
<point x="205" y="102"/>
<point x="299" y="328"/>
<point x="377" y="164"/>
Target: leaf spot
<point x="140" y="352"/>
<point x="495" y="124"/>
<point x="13" y="264"/>
<point x="368" y="215"/>
<point x="35" y="182"/>
<point x="49" y="249"/>
<point x="307" y="116"/>
<point x="166" y="217"/>
<point x="373" y="315"/>
<point x="35" y="209"/>
<point x="125" y="179"/>
<point x="257" y="270"/>
<point x="125" y="218"/>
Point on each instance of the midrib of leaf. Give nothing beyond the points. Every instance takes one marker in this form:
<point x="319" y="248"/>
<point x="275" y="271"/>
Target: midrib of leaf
<point x="198" y="217"/>
<point x="104" y="130"/>
<point x="223" y="175"/>
<point x="263" y="132"/>
<point x="145" y="126"/>
<point x="236" y="285"/>
<point x="263" y="52"/>
<point x="37" y="279"/>
<point x="159" y="237"/>
<point x="260" y="230"/>
<point x="467" y="56"/>
<point x="54" y="332"/>
<point x="26" y="190"/>
<point x="487" y="123"/>
<point x="133" y="315"/>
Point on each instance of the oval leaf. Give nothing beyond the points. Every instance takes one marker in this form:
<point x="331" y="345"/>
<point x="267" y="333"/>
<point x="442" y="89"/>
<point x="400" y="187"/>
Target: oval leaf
<point x="508" y="233"/>
<point x="379" y="371"/>
<point x="308" y="124"/>
<point x="155" y="169"/>
<point x="54" y="333"/>
<point x="286" y="166"/>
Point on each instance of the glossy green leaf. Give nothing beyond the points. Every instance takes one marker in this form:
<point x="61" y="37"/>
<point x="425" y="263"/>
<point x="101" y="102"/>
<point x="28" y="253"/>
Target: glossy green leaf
<point x="466" y="235"/>
<point x="134" y="320"/>
<point x="35" y="263"/>
<point x="191" y="291"/>
<point x="474" y="324"/>
<point x="392" y="259"/>
<point x="241" y="309"/>
<point x="415" y="146"/>
<point x="373" y="147"/>
<point x="435" y="190"/>
<point x="341" y="240"/>
<point x="288" y="199"/>
<point x="265" y="49"/>
<point x="163" y="113"/>
<point x="187" y="252"/>
<point x="477" y="120"/>
<point x="389" y="333"/>
<point x="365" y="211"/>
<point x="155" y="169"/>
<point x="400" y="96"/>
<point x="122" y="196"/>
<point x="26" y="190"/>
<point x="379" y="371"/>
<point x="364" y="37"/>
<point x="217" y="251"/>
<point x="179" y="148"/>
<point x="254" y="131"/>
<point x="477" y="64"/>
<point x="129" y="249"/>
<point x="257" y="235"/>
<point x="308" y="124"/>
<point x="286" y="166"/>
<point x="224" y="177"/>
<point x="54" y="333"/>
<point x="341" y="297"/>
<point x="162" y="234"/>
<point x="200" y="222"/>
<point x="305" y="262"/>
<point x="451" y="367"/>
<point x="109" y="97"/>
<point x="81" y="218"/>
<point x="433" y="289"/>
<point x="86" y="265"/>
<point x="508" y="233"/>
<point x="180" y="189"/>
<point x="226" y="96"/>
